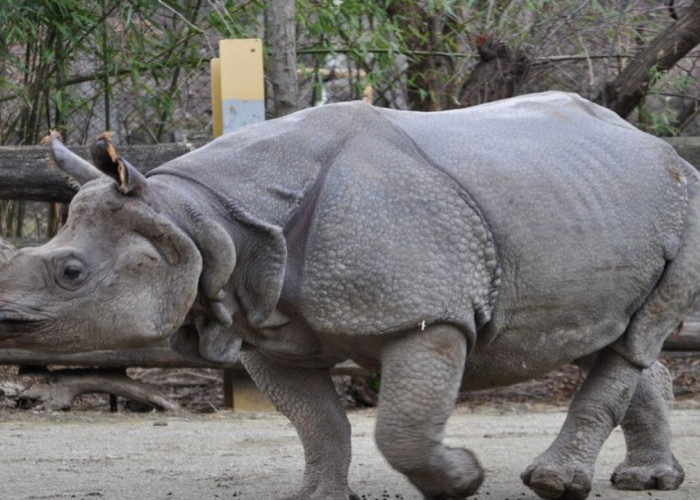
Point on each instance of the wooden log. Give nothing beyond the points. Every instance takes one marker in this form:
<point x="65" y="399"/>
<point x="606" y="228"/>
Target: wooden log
<point x="59" y="393"/>
<point x="683" y="343"/>
<point x="25" y="175"/>
<point x="147" y="357"/>
<point x="687" y="335"/>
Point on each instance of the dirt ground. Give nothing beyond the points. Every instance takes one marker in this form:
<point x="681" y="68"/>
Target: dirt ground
<point x="93" y="455"/>
<point x="205" y="452"/>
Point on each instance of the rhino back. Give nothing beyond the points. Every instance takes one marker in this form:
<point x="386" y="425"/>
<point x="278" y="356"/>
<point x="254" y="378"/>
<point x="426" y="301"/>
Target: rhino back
<point x="267" y="169"/>
<point x="585" y="211"/>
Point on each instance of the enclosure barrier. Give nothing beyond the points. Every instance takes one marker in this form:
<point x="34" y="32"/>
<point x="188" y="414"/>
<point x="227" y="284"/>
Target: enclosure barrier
<point x="24" y="175"/>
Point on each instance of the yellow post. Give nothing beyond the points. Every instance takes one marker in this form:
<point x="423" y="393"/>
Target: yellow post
<point x="217" y="125"/>
<point x="238" y="99"/>
<point x="242" y="84"/>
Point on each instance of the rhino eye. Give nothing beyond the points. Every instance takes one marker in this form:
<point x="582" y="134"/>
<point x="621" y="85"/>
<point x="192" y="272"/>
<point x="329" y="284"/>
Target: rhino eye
<point x="71" y="274"/>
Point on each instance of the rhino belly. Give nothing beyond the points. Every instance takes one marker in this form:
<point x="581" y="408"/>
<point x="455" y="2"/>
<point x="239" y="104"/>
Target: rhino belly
<point x="520" y="354"/>
<point x="569" y="299"/>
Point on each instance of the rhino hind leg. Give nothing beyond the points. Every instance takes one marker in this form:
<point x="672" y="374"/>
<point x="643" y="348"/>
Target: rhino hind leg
<point x="649" y="463"/>
<point x="421" y="374"/>
<point x="309" y="399"/>
<point x="565" y="469"/>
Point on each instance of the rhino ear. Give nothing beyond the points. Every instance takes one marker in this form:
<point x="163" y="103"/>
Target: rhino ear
<point x="69" y="162"/>
<point x="129" y="180"/>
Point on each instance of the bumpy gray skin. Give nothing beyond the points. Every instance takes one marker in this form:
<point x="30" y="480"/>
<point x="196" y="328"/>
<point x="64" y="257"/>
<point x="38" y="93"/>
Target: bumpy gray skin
<point x="461" y="249"/>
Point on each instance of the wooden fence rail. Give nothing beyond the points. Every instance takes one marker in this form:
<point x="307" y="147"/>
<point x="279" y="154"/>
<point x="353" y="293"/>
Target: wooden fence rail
<point x="25" y="175"/>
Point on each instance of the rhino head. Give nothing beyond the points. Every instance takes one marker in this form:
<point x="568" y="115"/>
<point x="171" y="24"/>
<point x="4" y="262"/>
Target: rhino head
<point x="119" y="273"/>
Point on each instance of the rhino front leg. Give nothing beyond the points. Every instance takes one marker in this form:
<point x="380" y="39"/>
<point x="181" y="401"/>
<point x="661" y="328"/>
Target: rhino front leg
<point x="309" y="399"/>
<point x="565" y="470"/>
<point x="421" y="374"/>
<point x="649" y="463"/>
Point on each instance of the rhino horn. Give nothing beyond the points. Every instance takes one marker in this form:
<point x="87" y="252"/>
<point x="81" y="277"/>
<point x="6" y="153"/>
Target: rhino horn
<point x="129" y="180"/>
<point x="69" y="162"/>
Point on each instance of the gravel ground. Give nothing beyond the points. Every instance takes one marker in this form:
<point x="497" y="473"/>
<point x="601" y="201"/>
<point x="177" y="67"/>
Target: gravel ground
<point x="208" y="453"/>
<point x="94" y="455"/>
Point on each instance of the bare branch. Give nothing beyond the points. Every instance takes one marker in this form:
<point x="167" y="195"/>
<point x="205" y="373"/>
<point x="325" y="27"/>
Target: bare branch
<point x="628" y="89"/>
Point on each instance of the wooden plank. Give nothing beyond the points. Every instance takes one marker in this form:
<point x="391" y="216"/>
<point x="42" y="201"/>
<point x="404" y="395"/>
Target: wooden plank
<point x="158" y="356"/>
<point x="683" y="342"/>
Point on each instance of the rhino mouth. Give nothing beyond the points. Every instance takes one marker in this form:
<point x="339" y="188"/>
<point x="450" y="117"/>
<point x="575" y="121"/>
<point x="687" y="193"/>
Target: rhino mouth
<point x="14" y="323"/>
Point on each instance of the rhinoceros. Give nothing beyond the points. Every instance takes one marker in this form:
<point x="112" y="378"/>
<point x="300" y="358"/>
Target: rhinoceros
<point x="449" y="250"/>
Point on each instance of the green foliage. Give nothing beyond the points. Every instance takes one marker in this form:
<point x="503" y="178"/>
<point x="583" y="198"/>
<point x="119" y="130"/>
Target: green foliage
<point x="360" y="30"/>
<point x="64" y="59"/>
<point x="235" y="19"/>
<point x="657" y="118"/>
<point x="61" y="60"/>
<point x="51" y="46"/>
<point x="374" y="383"/>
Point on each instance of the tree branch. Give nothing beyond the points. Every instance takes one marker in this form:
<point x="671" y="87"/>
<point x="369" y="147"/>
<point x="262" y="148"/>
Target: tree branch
<point x="630" y="86"/>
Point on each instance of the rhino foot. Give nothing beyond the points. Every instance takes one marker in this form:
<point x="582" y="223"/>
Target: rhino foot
<point x="648" y="477"/>
<point x="324" y="495"/>
<point x="558" y="482"/>
<point x="458" y="475"/>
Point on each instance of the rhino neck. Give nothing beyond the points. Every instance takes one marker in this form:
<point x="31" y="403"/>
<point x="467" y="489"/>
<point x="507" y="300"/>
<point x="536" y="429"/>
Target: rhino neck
<point x="268" y="169"/>
<point x="260" y="253"/>
<point x="261" y="184"/>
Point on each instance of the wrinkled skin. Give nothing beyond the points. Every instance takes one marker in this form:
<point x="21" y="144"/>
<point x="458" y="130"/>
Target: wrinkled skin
<point x="461" y="249"/>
